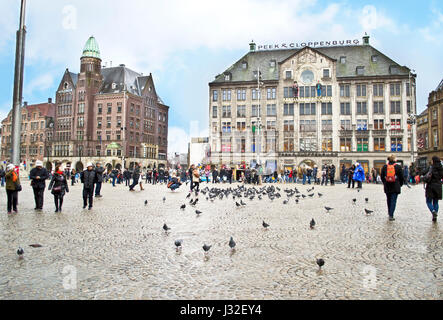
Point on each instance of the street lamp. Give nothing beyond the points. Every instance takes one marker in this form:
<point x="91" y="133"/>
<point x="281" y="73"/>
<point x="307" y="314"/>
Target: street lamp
<point x="259" y="83"/>
<point x="412" y="120"/>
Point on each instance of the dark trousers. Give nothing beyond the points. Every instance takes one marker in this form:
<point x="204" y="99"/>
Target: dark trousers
<point x="113" y="181"/>
<point x="12" y="199"/>
<point x="72" y="181"/>
<point x="391" y="199"/>
<point x="349" y="183"/>
<point x="195" y="185"/>
<point x="127" y="182"/>
<point x="88" y="194"/>
<point x="98" y="188"/>
<point x="38" y="197"/>
<point x="58" y="200"/>
<point x="134" y="183"/>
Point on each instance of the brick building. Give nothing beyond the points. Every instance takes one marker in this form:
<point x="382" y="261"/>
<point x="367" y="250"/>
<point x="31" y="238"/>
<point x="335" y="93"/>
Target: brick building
<point x="36" y="133"/>
<point x="108" y="114"/>
<point x="430" y="128"/>
<point x="267" y="108"/>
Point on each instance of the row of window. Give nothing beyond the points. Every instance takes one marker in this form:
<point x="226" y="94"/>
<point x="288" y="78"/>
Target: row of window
<point x="361" y="108"/>
<point x="311" y="125"/>
<point x="311" y="91"/>
<point x="310" y="144"/>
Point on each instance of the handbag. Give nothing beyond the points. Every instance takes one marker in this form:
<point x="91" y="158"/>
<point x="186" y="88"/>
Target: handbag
<point x="18" y="187"/>
<point x="57" y="189"/>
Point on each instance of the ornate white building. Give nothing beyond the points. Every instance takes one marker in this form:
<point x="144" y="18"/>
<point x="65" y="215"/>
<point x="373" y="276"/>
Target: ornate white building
<point x="330" y="104"/>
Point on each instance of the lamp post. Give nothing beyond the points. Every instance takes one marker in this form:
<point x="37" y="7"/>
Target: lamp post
<point x="18" y="87"/>
<point x="259" y="83"/>
<point x="412" y="120"/>
<point x="412" y="116"/>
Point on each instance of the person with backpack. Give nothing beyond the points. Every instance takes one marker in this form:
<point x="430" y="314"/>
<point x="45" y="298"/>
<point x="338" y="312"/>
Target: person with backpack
<point x="58" y="185"/>
<point x="433" y="180"/>
<point x="12" y="188"/>
<point x="393" y="179"/>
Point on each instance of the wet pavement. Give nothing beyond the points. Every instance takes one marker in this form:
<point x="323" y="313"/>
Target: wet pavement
<point x="119" y="250"/>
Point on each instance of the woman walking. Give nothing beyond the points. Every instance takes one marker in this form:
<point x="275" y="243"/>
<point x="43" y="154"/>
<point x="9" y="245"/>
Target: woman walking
<point x="434" y="186"/>
<point x="12" y="188"/>
<point x="59" y="186"/>
<point x="195" y="180"/>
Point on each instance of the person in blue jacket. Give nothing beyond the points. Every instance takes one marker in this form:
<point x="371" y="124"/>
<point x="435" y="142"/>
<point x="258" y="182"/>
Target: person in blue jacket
<point x="359" y="175"/>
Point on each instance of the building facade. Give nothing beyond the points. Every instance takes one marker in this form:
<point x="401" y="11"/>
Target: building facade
<point x="111" y="115"/>
<point x="36" y="133"/>
<point x="430" y="128"/>
<point x="312" y="106"/>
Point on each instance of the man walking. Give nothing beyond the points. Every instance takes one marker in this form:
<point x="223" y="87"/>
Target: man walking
<point x="393" y="180"/>
<point x="434" y="186"/>
<point x="88" y="178"/>
<point x="38" y="175"/>
<point x="98" y="185"/>
<point x="135" y="177"/>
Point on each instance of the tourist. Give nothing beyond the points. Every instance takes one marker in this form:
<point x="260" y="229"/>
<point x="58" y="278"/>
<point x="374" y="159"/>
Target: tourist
<point x="332" y="175"/>
<point x="88" y="178"/>
<point x="359" y="175"/>
<point x="38" y="175"/>
<point x="195" y="179"/>
<point x="73" y="175"/>
<point x="98" y="185"/>
<point x="214" y="175"/>
<point x="12" y="188"/>
<point x="135" y="177"/>
<point x="433" y="180"/>
<point x="175" y="182"/>
<point x="392" y="177"/>
<point x="343" y="173"/>
<point x="58" y="185"/>
<point x="351" y="176"/>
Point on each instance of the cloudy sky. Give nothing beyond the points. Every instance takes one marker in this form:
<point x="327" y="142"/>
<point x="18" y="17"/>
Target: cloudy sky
<point x="185" y="44"/>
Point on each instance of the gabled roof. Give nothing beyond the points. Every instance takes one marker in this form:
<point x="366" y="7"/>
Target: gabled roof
<point x="356" y="56"/>
<point x="123" y="78"/>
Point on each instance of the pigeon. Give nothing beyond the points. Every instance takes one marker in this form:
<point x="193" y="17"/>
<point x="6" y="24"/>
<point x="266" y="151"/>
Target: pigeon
<point x="198" y="212"/>
<point x="329" y="209"/>
<point x="206" y="248"/>
<point x="35" y="245"/>
<point x="195" y="202"/>
<point x="20" y="252"/>
<point x="166" y="228"/>
<point x="178" y="244"/>
<point x="146" y="202"/>
<point x="188" y="196"/>
<point x="237" y="204"/>
<point x="164" y="199"/>
<point x="296" y="200"/>
<point x="367" y="200"/>
<point x="232" y="243"/>
<point x="265" y="225"/>
<point x="285" y="202"/>
<point x="183" y="207"/>
<point x="311" y="195"/>
<point x="320" y="263"/>
<point x="368" y="211"/>
<point x="354" y="200"/>
<point x="242" y="203"/>
<point x="358" y="190"/>
<point x="303" y="196"/>
<point x="320" y="194"/>
<point x="312" y="224"/>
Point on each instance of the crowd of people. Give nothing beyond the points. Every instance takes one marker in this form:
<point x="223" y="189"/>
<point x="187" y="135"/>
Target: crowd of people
<point x="392" y="175"/>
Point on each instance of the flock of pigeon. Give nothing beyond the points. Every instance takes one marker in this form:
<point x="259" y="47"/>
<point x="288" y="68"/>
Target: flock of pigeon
<point x="237" y="195"/>
<point x="242" y="192"/>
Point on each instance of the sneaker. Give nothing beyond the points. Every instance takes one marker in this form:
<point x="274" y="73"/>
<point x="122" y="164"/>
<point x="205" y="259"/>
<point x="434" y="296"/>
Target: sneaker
<point x="391" y="219"/>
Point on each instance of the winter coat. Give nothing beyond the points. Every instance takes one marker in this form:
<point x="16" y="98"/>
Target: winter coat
<point x="59" y="180"/>
<point x="434" y="187"/>
<point x="11" y="185"/>
<point x="88" y="178"/>
<point x="332" y="172"/>
<point x="359" y="174"/>
<point x="38" y="172"/>
<point x="392" y="187"/>
<point x="99" y="171"/>
<point x="136" y="174"/>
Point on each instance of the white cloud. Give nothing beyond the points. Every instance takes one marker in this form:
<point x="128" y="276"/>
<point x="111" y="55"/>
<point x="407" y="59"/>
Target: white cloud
<point x="41" y="83"/>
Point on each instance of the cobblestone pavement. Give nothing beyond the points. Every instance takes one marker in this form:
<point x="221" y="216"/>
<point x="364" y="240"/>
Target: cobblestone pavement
<point x="119" y="250"/>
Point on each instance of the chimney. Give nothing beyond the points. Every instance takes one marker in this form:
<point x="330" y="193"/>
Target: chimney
<point x="49" y="100"/>
<point x="366" y="39"/>
<point x="252" y="46"/>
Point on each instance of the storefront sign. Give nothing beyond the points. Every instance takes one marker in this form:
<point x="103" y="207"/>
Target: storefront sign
<point x="295" y="45"/>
